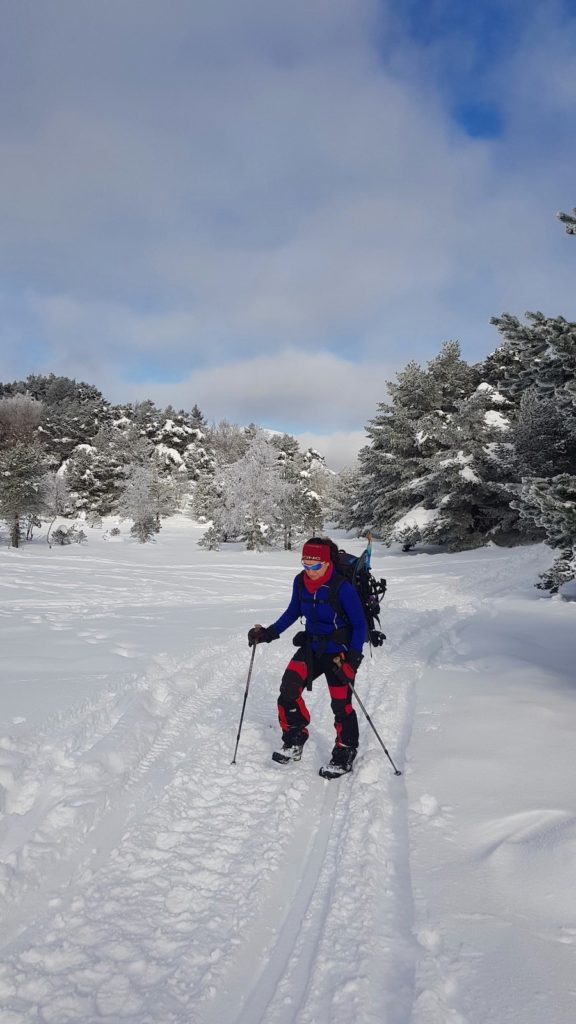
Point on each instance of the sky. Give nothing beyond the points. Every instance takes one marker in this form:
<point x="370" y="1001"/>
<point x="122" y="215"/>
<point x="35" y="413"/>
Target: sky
<point x="268" y="209"/>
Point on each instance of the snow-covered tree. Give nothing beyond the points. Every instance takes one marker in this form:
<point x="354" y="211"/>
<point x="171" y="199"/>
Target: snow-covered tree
<point x="228" y="441"/>
<point x="74" y="412"/>
<point x="347" y="506"/>
<point x="569" y="221"/>
<point x="289" y="465"/>
<point x="198" y="458"/>
<point x="56" y="499"/>
<point x="97" y="472"/>
<point x="83" y="480"/>
<point x="146" y="498"/>
<point x="145" y="416"/>
<point x="536" y="368"/>
<point x="211" y="538"/>
<point x="466" y="484"/>
<point x="316" y="492"/>
<point x="544" y="438"/>
<point x="407" y="435"/>
<point x="551" y="505"/>
<point x="308" y="489"/>
<point x="207" y="496"/>
<point x="21" y="469"/>
<point x="198" y="420"/>
<point x="539" y="355"/>
<point x="20" y="418"/>
<point x="252" y="493"/>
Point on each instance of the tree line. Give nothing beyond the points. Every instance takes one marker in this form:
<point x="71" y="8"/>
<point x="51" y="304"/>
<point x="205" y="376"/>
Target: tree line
<point x="67" y="452"/>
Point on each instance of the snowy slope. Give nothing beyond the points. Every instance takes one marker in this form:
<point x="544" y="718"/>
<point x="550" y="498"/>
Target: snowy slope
<point x="145" y="879"/>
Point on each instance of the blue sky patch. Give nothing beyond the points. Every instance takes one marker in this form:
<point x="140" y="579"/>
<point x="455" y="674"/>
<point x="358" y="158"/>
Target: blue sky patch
<point x="479" y="120"/>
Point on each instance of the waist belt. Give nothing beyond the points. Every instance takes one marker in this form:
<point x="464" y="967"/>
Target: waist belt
<point x="337" y="636"/>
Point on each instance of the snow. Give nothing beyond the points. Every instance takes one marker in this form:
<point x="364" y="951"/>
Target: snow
<point x="417" y="516"/>
<point x="495" y="419"/>
<point x="459" y="459"/>
<point x="146" y="880"/>
<point x="171" y="456"/>
<point x="169" y="427"/>
<point x="492" y="392"/>
<point x="469" y="474"/>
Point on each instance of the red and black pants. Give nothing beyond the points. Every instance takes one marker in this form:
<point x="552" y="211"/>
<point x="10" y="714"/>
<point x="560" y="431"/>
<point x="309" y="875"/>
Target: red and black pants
<point x="293" y="714"/>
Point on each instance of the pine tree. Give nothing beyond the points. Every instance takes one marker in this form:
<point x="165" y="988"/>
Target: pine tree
<point x="347" y="507"/>
<point x="539" y="355"/>
<point x="20" y="419"/>
<point x="316" y="488"/>
<point x="56" y="499"/>
<point x="467" y="482"/>
<point x="74" y="412"/>
<point x="306" y="492"/>
<point x="198" y="458"/>
<point x="561" y="571"/>
<point x="97" y="473"/>
<point x="197" y="419"/>
<point x="252" y="492"/>
<point x="536" y="368"/>
<point x="395" y="456"/>
<point x="228" y="442"/>
<point x="290" y="465"/>
<point x="165" y="492"/>
<point x="146" y="498"/>
<point x="544" y="439"/>
<point x="551" y="504"/>
<point x="146" y="418"/>
<point x="83" y="480"/>
<point x="406" y="436"/>
<point x="21" y="469"/>
<point x="207" y="497"/>
<point x="569" y="221"/>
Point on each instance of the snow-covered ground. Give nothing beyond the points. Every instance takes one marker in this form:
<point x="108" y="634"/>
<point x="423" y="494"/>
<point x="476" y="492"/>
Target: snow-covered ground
<point x="146" y="880"/>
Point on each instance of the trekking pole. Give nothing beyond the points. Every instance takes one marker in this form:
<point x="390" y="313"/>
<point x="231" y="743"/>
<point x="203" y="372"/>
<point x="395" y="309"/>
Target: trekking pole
<point x="371" y="724"/>
<point x="233" y="761"/>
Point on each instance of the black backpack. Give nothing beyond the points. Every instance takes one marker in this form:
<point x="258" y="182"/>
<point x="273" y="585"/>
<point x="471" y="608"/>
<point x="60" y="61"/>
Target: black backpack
<point x="356" y="569"/>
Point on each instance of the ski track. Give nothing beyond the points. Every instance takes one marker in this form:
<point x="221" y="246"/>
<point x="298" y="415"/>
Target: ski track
<point x="129" y="888"/>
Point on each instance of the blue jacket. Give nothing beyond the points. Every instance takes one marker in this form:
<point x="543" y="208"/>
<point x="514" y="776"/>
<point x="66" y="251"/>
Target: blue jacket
<point x="321" y="618"/>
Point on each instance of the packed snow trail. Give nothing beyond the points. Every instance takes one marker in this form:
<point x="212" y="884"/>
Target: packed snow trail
<point x="147" y="880"/>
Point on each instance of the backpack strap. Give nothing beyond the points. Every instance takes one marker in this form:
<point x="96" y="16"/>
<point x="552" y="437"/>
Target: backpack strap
<point x="333" y="594"/>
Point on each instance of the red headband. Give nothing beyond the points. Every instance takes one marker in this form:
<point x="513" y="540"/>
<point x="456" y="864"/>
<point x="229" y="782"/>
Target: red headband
<point x="321" y="552"/>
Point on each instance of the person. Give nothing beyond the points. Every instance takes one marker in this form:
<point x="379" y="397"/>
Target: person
<point x="331" y="644"/>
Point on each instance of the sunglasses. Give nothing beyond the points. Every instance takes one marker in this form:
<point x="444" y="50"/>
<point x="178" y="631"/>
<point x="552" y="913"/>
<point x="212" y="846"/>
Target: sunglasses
<point x="314" y="567"/>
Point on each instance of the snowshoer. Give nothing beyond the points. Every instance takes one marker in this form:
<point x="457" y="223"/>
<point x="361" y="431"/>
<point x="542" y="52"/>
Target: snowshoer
<point x="331" y="644"/>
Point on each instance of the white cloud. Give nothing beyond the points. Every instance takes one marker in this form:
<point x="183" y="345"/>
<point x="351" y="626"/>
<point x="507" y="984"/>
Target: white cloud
<point x="340" y="449"/>
<point x="214" y="193"/>
<point x="291" y="391"/>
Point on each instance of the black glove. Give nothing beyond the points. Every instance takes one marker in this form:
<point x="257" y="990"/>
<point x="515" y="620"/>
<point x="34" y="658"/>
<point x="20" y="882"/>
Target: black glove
<point x="347" y="664"/>
<point x="355" y="659"/>
<point x="261" y="635"/>
<point x="299" y="639"/>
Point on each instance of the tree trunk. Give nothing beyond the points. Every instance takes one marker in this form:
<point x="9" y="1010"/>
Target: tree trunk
<point x="15" y="532"/>
<point x="49" y="529"/>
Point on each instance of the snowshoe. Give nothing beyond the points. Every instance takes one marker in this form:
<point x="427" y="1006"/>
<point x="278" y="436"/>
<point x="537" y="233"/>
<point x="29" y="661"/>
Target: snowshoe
<point x="289" y="752"/>
<point x="340" y="763"/>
